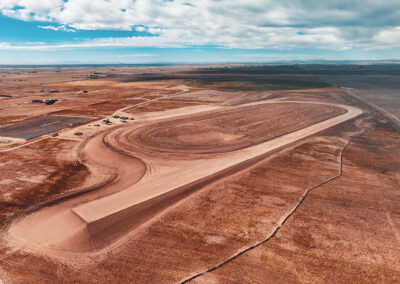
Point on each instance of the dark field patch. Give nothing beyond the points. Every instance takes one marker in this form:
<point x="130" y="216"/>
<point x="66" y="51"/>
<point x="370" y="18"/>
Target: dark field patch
<point x="2" y="97"/>
<point x="101" y="108"/>
<point x="353" y="69"/>
<point x="40" y="126"/>
<point x="262" y="84"/>
<point x="247" y="78"/>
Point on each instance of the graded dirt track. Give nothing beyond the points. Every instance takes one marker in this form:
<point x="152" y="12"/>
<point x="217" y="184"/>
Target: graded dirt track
<point x="222" y="131"/>
<point x="128" y="172"/>
<point x="144" y="187"/>
<point x="344" y="231"/>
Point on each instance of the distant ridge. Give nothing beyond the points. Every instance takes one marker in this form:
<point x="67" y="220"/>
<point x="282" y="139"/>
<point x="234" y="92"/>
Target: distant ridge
<point x="94" y="65"/>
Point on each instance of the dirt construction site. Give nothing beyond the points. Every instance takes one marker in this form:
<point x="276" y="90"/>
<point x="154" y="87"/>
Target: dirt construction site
<point x="196" y="174"/>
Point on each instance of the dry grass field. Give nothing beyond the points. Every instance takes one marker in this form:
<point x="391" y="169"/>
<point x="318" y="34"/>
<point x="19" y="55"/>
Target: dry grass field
<point x="200" y="174"/>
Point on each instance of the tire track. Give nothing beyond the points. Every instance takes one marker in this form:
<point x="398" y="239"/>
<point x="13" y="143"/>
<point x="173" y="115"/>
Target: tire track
<point x="283" y="221"/>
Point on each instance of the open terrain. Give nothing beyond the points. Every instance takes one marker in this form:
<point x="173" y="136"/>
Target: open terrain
<point x="376" y="84"/>
<point x="201" y="174"/>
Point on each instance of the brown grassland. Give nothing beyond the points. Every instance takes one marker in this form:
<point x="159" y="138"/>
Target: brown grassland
<point x="240" y="174"/>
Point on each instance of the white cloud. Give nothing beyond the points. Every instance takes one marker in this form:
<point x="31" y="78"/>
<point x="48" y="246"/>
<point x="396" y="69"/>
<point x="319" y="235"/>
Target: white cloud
<point x="141" y="29"/>
<point x="135" y="55"/>
<point x="58" y="28"/>
<point x="388" y="37"/>
<point x="251" y="24"/>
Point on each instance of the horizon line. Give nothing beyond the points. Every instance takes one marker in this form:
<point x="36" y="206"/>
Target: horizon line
<point x="202" y="63"/>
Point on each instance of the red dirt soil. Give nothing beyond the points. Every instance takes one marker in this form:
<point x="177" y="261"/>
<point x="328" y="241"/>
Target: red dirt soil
<point x="252" y="223"/>
<point x="107" y="217"/>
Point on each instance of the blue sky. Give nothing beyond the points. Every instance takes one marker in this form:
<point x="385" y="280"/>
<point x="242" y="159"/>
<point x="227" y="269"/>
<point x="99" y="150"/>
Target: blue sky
<point x="175" y="31"/>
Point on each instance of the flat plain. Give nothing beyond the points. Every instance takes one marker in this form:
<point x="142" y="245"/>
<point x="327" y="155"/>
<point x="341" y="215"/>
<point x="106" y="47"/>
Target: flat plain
<point x="200" y="174"/>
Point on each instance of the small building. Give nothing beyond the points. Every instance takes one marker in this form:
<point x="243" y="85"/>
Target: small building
<point x="50" y="101"/>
